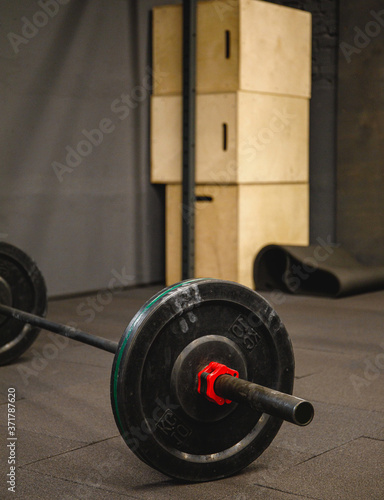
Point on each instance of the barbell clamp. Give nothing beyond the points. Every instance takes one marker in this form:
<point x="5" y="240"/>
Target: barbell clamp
<point x="207" y="378"/>
<point x="221" y="385"/>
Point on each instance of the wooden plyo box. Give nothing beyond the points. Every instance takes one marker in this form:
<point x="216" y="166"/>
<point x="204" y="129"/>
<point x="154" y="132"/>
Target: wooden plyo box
<point x="241" y="45"/>
<point x="234" y="226"/>
<point x="241" y="137"/>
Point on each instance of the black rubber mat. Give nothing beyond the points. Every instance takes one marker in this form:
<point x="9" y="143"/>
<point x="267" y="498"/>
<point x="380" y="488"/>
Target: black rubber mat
<point x="323" y="269"/>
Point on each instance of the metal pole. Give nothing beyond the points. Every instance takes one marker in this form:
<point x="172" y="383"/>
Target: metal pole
<point x="189" y="94"/>
<point x="64" y="330"/>
<point x="281" y="405"/>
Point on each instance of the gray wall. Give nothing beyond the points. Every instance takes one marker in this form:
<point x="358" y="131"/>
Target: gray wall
<point x="323" y="108"/>
<point x="96" y="216"/>
<point x="360" y="179"/>
<point x="347" y="120"/>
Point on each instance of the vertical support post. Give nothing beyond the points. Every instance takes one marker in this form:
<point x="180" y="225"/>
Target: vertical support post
<point x="189" y="95"/>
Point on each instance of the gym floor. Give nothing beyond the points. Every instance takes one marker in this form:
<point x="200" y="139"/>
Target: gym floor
<point x="68" y="445"/>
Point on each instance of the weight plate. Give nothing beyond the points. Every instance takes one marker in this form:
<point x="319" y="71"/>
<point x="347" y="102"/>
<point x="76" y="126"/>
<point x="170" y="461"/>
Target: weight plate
<point x="21" y="286"/>
<point x="154" y="400"/>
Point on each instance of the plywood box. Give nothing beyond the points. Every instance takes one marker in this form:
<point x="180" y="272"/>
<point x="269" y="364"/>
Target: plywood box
<point x="241" y="45"/>
<point x="241" y="137"/>
<point x="232" y="227"/>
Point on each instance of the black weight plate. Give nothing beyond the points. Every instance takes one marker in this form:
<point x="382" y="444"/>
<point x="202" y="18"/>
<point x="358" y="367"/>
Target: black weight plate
<point x="204" y="442"/>
<point x="21" y="286"/>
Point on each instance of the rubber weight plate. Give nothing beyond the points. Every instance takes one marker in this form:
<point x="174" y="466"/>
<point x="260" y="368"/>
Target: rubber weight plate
<point x="22" y="286"/>
<point x="154" y="395"/>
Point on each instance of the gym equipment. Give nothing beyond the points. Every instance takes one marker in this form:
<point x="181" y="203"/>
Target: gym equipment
<point x="202" y="376"/>
<point x="189" y="124"/>
<point x="22" y="286"/>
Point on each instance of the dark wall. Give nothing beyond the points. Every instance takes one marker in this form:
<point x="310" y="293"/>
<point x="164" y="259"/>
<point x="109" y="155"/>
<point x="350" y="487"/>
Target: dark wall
<point x="322" y="114"/>
<point x="82" y="207"/>
<point x="360" y="176"/>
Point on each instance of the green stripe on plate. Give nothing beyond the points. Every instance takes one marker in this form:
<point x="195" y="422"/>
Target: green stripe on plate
<point x="118" y="361"/>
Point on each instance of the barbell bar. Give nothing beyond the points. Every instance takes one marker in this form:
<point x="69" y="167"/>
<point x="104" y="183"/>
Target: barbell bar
<point x="205" y="369"/>
<point x="289" y="408"/>
<point x="60" y="329"/>
<point x="230" y="388"/>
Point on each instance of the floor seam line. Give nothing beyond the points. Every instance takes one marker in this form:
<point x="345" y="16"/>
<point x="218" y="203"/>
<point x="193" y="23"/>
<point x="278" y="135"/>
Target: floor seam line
<point x="86" y="445"/>
<point x="71" y="481"/>
<point x="327" y="451"/>
<point x="285" y="491"/>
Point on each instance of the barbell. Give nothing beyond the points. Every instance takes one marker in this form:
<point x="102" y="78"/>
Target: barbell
<point x="202" y="377"/>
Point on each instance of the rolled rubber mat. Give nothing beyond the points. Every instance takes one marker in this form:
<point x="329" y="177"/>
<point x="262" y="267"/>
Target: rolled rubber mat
<point x="323" y="269"/>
